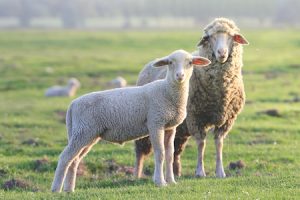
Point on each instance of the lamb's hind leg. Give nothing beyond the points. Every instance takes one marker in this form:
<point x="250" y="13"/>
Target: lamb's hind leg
<point x="65" y="159"/>
<point x="70" y="180"/>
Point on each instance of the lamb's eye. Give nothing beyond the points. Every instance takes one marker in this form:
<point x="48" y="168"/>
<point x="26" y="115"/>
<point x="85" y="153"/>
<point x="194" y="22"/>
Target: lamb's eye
<point x="190" y="63"/>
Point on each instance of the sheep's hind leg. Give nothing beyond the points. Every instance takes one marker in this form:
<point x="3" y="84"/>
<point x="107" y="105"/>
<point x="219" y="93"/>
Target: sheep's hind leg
<point x="157" y="140"/>
<point x="179" y="146"/>
<point x="142" y="149"/>
<point x="70" y="180"/>
<point x="169" y="147"/>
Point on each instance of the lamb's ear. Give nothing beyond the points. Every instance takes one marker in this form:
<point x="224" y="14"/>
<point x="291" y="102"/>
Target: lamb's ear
<point x="199" y="61"/>
<point x="161" y="62"/>
<point x="203" y="40"/>
<point x="240" y="39"/>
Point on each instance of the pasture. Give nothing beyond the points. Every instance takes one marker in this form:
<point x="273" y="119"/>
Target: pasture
<point x="32" y="126"/>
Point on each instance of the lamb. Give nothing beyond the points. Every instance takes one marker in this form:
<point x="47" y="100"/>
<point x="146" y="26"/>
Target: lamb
<point x="216" y="96"/>
<point x="124" y="114"/>
<point x="69" y="90"/>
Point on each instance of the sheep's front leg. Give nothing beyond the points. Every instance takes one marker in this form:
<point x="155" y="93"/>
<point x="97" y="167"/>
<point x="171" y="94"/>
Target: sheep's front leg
<point x="201" y="143"/>
<point x="157" y="140"/>
<point x="219" y="162"/>
<point x="220" y="133"/>
<point x="169" y="146"/>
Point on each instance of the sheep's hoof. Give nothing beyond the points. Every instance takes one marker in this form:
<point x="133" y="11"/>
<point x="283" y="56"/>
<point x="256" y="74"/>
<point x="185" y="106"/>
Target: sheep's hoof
<point x="161" y="184"/>
<point x="68" y="191"/>
<point x="55" y="190"/>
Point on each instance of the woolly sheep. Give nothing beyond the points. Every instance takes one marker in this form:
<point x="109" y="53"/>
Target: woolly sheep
<point x="69" y="90"/>
<point x="216" y="95"/>
<point x="124" y="114"/>
<point x="118" y="82"/>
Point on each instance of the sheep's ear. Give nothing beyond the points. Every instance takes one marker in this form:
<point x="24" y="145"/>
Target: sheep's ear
<point x="203" y="40"/>
<point x="161" y="62"/>
<point x="199" y="61"/>
<point x="240" y="39"/>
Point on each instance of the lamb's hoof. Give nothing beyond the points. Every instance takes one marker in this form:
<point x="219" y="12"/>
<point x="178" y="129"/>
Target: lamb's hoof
<point x="200" y="174"/>
<point x="220" y="174"/>
<point x="171" y="182"/>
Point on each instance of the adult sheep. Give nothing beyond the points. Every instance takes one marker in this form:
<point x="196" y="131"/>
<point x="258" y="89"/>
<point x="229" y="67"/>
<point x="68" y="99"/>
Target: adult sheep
<point x="216" y="95"/>
<point x="125" y="114"/>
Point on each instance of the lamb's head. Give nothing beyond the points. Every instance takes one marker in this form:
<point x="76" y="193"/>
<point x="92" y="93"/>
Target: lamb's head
<point x="221" y="35"/>
<point x="180" y="65"/>
<point x="73" y="83"/>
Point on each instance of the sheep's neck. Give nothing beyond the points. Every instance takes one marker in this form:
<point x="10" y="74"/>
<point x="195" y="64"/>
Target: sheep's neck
<point x="71" y="90"/>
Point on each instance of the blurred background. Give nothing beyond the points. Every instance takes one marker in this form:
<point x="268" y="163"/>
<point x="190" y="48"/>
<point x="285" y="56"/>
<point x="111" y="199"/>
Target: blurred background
<point x="145" y="14"/>
<point x="44" y="43"/>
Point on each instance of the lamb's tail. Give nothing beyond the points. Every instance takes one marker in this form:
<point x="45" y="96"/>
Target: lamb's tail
<point x="69" y="122"/>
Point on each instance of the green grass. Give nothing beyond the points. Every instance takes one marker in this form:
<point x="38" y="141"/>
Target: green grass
<point x="270" y="146"/>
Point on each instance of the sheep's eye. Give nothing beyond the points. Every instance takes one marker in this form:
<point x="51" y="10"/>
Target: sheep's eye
<point x="170" y="62"/>
<point x="190" y="63"/>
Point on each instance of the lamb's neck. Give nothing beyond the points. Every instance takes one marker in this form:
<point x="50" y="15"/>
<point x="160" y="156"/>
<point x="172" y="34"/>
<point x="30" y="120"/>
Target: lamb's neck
<point x="177" y="92"/>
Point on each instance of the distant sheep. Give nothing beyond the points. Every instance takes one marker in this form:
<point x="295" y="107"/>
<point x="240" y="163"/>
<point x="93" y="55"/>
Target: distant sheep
<point x="69" y="90"/>
<point x="120" y="115"/>
<point x="216" y="95"/>
<point x="118" y="82"/>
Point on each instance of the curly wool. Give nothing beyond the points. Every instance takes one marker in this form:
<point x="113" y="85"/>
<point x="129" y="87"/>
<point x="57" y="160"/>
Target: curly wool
<point x="221" y="25"/>
<point x="217" y="92"/>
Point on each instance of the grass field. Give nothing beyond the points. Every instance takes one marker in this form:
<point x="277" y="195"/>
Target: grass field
<point x="31" y="126"/>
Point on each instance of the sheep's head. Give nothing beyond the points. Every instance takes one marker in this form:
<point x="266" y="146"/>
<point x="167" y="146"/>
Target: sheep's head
<point x="181" y="65"/>
<point x="73" y="82"/>
<point x="220" y="35"/>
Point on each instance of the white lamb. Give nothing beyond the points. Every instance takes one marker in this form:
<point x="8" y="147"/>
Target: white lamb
<point x="69" y="90"/>
<point x="124" y="114"/>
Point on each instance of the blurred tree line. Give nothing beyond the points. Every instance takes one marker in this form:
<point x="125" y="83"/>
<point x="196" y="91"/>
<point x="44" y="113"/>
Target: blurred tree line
<point x="73" y="13"/>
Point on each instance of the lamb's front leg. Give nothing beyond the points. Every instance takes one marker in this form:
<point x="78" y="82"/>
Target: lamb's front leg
<point x="157" y="140"/>
<point x="169" y="146"/>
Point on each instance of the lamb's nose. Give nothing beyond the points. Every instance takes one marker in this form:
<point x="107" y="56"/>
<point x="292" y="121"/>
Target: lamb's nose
<point x="180" y="76"/>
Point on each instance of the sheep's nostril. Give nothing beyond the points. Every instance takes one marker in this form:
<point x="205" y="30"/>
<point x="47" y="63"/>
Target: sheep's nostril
<point x="222" y="52"/>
